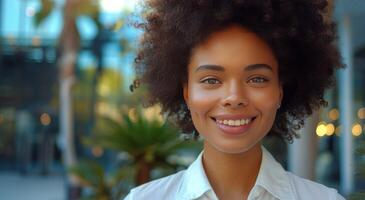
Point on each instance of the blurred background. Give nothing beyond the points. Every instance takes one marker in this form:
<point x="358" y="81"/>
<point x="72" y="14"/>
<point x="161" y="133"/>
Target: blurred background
<point x="71" y="127"/>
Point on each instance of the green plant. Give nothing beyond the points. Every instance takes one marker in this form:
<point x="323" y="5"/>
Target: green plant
<point x="103" y="186"/>
<point x="150" y="143"/>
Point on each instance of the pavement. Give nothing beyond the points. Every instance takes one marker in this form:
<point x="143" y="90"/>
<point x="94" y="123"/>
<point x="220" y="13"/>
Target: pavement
<point x="14" y="186"/>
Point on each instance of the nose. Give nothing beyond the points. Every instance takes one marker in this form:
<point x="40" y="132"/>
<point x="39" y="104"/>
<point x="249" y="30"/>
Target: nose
<point x="235" y="96"/>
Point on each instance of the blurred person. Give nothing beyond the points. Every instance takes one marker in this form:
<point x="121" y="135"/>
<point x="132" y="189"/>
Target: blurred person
<point x="233" y="72"/>
<point x="24" y="129"/>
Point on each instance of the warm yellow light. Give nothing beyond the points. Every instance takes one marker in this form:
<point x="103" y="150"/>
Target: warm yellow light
<point x="356" y="130"/>
<point x="321" y="130"/>
<point x="104" y="90"/>
<point x="97" y="151"/>
<point x="153" y="113"/>
<point x="36" y="41"/>
<point x="333" y="114"/>
<point x="102" y="108"/>
<point x="361" y="113"/>
<point x="132" y="114"/>
<point x="338" y="130"/>
<point x="45" y="119"/>
<point x="330" y="129"/>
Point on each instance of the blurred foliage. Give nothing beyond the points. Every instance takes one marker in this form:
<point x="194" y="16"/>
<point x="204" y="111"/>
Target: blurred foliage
<point x="111" y="87"/>
<point x="110" y="91"/>
<point x="360" y="151"/>
<point x="102" y="186"/>
<point x="146" y="144"/>
<point x="89" y="8"/>
<point x="44" y="12"/>
<point x="148" y="140"/>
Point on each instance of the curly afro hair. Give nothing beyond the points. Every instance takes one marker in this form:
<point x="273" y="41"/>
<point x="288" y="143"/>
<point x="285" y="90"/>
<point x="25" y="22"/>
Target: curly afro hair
<point x="300" y="37"/>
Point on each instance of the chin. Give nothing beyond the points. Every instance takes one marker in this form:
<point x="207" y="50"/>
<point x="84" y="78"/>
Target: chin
<point x="234" y="148"/>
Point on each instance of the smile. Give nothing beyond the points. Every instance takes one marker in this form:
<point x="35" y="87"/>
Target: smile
<point x="237" y="122"/>
<point x="234" y="125"/>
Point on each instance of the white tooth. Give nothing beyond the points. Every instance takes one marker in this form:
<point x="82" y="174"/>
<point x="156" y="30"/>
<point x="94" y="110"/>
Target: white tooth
<point x="225" y="122"/>
<point x="242" y="122"/>
<point x="230" y="122"/>
<point x="219" y="121"/>
<point x="237" y="122"/>
<point x="248" y="121"/>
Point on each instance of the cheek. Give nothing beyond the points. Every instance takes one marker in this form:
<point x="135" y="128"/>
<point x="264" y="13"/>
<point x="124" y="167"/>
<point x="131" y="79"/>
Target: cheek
<point x="200" y="101"/>
<point x="265" y="99"/>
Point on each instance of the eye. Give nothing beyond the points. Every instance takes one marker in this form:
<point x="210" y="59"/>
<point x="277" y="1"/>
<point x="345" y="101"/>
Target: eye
<point x="211" y="81"/>
<point x="258" y="80"/>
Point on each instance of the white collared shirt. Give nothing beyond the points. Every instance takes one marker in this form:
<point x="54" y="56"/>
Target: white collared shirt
<point x="272" y="183"/>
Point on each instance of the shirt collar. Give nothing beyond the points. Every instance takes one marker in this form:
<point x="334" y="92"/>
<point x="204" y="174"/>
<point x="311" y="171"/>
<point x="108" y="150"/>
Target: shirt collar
<point x="272" y="177"/>
<point x="195" y="182"/>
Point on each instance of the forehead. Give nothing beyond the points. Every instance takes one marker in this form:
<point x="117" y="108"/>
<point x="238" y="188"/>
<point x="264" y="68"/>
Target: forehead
<point x="233" y="46"/>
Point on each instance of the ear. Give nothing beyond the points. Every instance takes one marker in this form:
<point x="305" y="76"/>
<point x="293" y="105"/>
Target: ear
<point x="186" y="93"/>
<point x="281" y="95"/>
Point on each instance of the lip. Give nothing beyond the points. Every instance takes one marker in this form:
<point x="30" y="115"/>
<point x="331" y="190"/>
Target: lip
<point x="233" y="130"/>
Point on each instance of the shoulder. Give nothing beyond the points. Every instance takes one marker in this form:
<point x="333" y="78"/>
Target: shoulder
<point x="163" y="188"/>
<point x="307" y="189"/>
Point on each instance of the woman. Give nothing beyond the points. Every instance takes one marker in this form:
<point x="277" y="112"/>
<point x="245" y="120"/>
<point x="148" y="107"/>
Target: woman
<point x="232" y="72"/>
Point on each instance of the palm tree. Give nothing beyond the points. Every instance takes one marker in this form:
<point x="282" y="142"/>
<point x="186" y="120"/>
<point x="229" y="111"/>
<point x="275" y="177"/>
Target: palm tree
<point x="68" y="46"/>
<point x="150" y="143"/>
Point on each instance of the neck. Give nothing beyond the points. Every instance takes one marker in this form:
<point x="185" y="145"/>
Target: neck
<point x="232" y="176"/>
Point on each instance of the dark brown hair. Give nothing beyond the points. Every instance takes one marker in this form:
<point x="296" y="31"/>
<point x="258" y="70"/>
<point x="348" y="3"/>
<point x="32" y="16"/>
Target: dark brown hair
<point x="301" y="39"/>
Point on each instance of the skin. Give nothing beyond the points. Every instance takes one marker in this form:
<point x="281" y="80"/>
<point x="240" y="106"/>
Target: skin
<point x="233" y="73"/>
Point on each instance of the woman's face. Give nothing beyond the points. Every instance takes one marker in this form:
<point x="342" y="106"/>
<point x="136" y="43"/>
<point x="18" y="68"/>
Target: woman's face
<point x="233" y="90"/>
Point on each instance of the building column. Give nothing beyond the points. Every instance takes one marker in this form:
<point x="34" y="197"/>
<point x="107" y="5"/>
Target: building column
<point x="303" y="152"/>
<point x="345" y="106"/>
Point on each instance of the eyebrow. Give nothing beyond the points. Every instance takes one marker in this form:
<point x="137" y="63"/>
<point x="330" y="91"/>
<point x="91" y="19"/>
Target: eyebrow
<point x="258" y="66"/>
<point x="210" y="67"/>
<point x="247" y="68"/>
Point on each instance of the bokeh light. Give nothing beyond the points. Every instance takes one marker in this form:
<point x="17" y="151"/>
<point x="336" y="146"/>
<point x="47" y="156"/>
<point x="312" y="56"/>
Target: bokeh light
<point x="321" y="129"/>
<point x="338" y="130"/>
<point x="356" y="130"/>
<point x="361" y="113"/>
<point x="30" y="11"/>
<point x="333" y="114"/>
<point x="36" y="41"/>
<point x="153" y="113"/>
<point x="45" y="119"/>
<point x="115" y="6"/>
<point x="97" y="151"/>
<point x="330" y="129"/>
